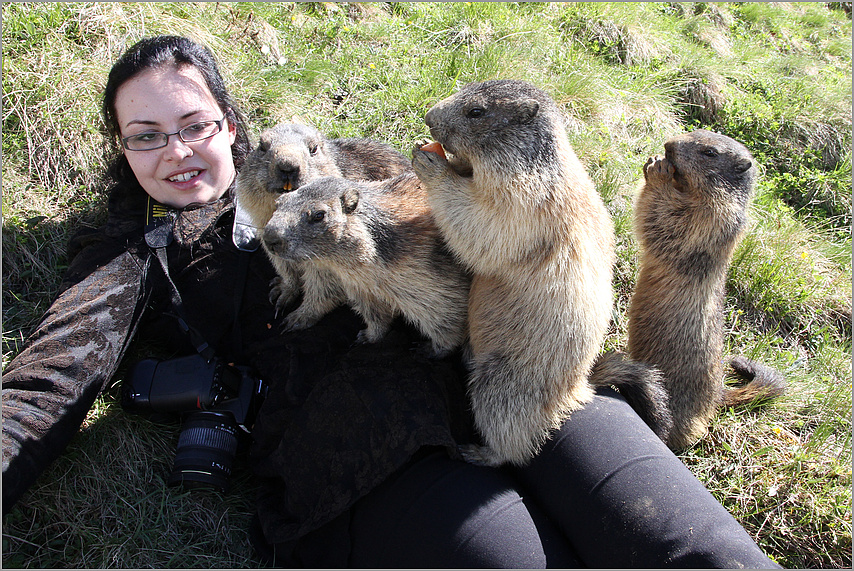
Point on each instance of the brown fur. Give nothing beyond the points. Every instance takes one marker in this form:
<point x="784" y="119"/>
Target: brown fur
<point x="290" y="155"/>
<point x="764" y="383"/>
<point x="516" y="206"/>
<point x="689" y="217"/>
<point x="380" y="243"/>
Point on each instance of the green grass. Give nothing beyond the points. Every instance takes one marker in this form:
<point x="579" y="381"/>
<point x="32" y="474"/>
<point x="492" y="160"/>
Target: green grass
<point x="776" y="76"/>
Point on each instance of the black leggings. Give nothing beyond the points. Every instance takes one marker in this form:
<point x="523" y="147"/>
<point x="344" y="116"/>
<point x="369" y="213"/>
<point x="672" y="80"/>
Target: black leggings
<point x="604" y="492"/>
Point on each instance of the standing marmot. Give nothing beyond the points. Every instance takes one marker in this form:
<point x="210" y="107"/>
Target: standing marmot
<point x="516" y="206"/>
<point x="288" y="156"/>
<point x="689" y="217"/>
<point x="379" y="241"/>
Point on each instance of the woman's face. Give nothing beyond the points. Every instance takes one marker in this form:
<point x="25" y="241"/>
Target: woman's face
<point x="166" y="100"/>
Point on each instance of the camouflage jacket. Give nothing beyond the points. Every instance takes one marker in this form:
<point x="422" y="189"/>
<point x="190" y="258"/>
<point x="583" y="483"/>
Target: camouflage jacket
<point x="338" y="418"/>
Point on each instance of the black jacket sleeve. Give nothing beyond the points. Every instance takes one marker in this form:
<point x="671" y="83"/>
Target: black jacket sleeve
<point x="49" y="387"/>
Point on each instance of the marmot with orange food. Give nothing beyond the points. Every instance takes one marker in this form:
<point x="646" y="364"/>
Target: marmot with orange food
<point x="516" y="206"/>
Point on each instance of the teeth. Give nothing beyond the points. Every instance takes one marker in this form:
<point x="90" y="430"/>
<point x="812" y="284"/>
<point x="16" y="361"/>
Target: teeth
<point x="184" y="177"/>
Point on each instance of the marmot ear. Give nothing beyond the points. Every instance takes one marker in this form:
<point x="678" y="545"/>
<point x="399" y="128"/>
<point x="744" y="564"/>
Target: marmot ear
<point x="349" y="200"/>
<point x="264" y="143"/>
<point x="529" y="110"/>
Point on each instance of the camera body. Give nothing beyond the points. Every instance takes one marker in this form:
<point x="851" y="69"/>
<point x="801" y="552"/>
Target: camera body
<point x="219" y="402"/>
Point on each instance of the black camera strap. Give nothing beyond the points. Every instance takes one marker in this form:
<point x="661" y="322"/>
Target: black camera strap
<point x="243" y="270"/>
<point x="159" y="221"/>
<point x="245" y="237"/>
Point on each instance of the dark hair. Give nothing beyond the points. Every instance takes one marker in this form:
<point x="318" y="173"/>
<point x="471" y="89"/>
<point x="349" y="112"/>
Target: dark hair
<point x="152" y="53"/>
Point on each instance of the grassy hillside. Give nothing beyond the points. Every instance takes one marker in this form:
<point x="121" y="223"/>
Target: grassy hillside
<point x="775" y="76"/>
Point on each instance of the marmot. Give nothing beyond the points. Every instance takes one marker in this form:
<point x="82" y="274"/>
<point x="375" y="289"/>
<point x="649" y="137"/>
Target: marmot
<point x="689" y="216"/>
<point x="288" y="156"/>
<point x="516" y="206"/>
<point x="379" y="241"/>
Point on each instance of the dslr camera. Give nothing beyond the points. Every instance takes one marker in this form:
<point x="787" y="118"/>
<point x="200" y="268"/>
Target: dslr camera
<point x="219" y="402"/>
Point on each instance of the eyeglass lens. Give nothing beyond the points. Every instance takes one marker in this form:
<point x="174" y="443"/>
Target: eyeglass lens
<point x="189" y="134"/>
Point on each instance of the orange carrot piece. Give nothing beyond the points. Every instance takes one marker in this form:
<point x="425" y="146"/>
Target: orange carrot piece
<point x="434" y="147"/>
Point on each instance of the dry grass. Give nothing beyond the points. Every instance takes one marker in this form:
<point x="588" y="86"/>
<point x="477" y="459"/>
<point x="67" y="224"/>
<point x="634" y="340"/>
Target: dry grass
<point x="105" y="504"/>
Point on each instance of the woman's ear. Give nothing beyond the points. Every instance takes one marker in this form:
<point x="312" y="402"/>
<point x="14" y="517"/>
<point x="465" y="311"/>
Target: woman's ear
<point x="232" y="127"/>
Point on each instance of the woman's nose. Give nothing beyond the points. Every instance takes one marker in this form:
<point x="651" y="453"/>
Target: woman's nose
<point x="176" y="149"/>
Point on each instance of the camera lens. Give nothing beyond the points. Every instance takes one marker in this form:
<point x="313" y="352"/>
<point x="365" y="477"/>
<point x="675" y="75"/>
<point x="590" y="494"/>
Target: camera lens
<point x="206" y="450"/>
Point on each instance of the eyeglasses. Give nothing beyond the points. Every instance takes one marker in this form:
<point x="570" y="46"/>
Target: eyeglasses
<point x="189" y="134"/>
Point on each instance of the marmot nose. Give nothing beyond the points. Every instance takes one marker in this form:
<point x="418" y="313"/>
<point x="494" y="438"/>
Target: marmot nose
<point x="428" y="119"/>
<point x="288" y="171"/>
<point x="274" y="240"/>
<point x="289" y="176"/>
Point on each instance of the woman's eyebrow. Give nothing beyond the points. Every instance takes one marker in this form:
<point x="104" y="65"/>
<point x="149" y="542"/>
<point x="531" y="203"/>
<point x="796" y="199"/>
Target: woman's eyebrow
<point x="191" y="113"/>
<point x="150" y="122"/>
<point x="140" y="122"/>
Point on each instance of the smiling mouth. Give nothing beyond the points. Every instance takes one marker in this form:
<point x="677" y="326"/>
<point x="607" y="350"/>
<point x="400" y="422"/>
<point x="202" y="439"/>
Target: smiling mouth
<point x="183" y="177"/>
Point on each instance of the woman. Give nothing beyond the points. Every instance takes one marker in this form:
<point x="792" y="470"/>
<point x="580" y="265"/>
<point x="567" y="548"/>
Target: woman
<point x="354" y="446"/>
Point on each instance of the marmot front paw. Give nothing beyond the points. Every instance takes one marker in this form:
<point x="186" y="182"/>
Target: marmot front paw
<point x="282" y="292"/>
<point x="429" y="165"/>
<point x="658" y="168"/>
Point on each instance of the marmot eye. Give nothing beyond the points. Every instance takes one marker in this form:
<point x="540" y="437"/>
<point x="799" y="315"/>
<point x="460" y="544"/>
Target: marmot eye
<point x="312" y="148"/>
<point x="475" y="112"/>
<point x="263" y="145"/>
<point x="316" y="216"/>
<point x="710" y="152"/>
